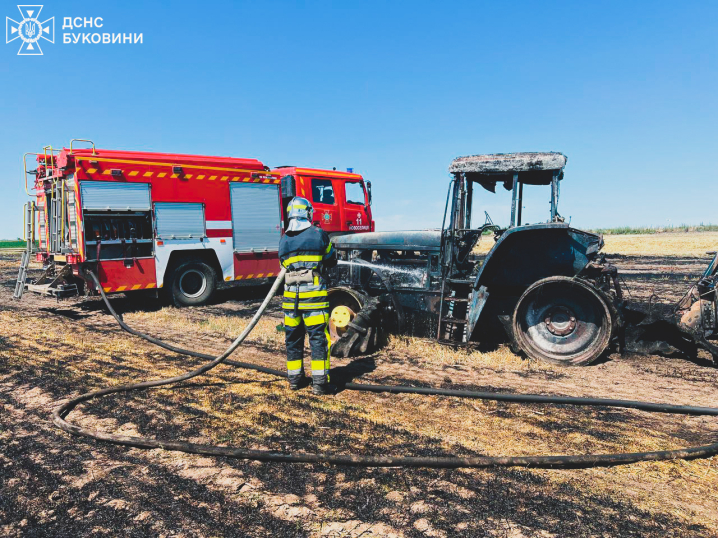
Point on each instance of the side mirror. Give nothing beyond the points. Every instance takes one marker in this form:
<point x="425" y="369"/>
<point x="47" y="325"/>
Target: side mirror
<point x="368" y="190"/>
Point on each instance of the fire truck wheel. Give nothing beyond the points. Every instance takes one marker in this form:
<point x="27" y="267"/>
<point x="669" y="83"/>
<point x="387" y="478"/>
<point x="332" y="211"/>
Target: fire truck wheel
<point x="192" y="283"/>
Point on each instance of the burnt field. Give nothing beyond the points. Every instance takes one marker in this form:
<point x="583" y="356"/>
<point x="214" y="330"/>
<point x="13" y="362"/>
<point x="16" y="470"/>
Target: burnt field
<point x="52" y="484"/>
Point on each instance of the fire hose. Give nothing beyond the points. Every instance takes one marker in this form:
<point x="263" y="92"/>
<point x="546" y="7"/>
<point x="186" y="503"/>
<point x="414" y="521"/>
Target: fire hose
<point x="61" y="413"/>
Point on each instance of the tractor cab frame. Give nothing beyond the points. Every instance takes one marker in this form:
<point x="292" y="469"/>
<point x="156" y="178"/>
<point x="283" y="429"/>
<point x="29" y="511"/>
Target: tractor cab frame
<point x="513" y="171"/>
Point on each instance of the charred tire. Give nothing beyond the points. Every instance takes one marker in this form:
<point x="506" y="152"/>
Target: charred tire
<point x="360" y="332"/>
<point x="192" y="283"/>
<point x="562" y="320"/>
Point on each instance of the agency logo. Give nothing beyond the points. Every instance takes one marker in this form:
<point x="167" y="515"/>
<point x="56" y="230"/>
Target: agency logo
<point x="30" y="30"/>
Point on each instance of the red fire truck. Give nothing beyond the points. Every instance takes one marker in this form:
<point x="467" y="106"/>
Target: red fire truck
<point x="183" y="224"/>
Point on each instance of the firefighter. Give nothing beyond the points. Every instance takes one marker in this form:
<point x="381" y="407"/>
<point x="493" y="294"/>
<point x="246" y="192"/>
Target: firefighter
<point x="305" y="251"/>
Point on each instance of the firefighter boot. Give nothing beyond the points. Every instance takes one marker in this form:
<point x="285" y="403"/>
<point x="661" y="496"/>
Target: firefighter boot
<point x="324" y="389"/>
<point x="297" y="382"/>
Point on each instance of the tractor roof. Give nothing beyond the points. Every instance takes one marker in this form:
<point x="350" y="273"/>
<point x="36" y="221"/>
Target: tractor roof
<point x="532" y="168"/>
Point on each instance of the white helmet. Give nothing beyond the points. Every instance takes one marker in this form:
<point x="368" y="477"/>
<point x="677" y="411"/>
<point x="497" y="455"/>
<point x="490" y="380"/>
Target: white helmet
<point x="300" y="213"/>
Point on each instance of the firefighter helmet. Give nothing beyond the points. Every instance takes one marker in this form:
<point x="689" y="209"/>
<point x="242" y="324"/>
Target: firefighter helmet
<point x="300" y="208"/>
<point x="300" y="213"/>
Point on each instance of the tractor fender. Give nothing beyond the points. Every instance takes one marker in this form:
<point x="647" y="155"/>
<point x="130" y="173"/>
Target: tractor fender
<point x="526" y="254"/>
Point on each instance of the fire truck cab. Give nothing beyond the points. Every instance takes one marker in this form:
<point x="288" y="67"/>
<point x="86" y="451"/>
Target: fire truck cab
<point x="180" y="224"/>
<point x="341" y="200"/>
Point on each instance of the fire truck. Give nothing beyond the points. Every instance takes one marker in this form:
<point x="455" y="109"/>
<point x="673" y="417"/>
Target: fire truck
<point x="181" y="225"/>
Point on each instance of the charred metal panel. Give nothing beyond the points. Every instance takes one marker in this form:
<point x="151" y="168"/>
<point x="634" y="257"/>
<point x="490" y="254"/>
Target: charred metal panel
<point x="526" y="254"/>
<point x="478" y="301"/>
<point x="508" y="163"/>
<point x="413" y="240"/>
<point x="527" y="168"/>
<point x="386" y="265"/>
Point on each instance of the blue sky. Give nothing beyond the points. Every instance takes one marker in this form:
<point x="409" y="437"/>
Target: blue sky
<point x="395" y="90"/>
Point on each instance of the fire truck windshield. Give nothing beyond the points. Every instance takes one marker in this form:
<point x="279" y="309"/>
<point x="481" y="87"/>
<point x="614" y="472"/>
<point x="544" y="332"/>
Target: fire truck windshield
<point x="354" y="193"/>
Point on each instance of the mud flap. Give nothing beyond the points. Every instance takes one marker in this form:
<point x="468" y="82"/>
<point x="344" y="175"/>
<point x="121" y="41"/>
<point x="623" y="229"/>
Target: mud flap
<point x="478" y="302"/>
<point x="507" y="324"/>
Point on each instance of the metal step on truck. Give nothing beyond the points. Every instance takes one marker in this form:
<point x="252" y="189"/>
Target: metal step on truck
<point x="177" y="224"/>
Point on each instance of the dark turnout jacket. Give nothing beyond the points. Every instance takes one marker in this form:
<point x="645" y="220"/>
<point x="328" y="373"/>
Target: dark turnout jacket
<point x="307" y="249"/>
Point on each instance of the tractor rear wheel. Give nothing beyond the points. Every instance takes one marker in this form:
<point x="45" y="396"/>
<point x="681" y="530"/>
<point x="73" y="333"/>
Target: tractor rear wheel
<point x="562" y="320"/>
<point x="354" y="326"/>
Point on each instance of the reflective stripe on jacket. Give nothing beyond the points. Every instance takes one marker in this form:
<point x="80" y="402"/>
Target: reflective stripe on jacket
<point x="307" y="249"/>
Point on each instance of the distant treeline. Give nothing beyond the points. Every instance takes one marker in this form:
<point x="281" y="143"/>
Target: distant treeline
<point x="10" y="243"/>
<point x="628" y="230"/>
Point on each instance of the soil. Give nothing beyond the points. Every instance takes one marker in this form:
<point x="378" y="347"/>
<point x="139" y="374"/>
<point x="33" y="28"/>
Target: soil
<point x="53" y="484"/>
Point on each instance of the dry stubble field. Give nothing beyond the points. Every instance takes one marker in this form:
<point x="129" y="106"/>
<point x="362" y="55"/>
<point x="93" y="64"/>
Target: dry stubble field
<point x="52" y="484"/>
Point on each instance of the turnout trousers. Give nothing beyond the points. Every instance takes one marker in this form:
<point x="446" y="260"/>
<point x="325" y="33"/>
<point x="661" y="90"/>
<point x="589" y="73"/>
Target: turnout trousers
<point x="313" y="322"/>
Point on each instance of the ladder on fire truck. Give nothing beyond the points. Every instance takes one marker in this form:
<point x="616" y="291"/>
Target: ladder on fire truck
<point x="29" y="236"/>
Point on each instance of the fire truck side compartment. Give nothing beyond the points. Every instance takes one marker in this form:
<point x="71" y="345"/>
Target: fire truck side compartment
<point x="118" y="215"/>
<point x="256" y="217"/>
<point x="179" y="220"/>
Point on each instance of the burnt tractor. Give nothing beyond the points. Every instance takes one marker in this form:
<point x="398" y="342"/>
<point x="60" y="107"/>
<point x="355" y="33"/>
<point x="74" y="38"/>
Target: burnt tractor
<point x="696" y="314"/>
<point x="545" y="288"/>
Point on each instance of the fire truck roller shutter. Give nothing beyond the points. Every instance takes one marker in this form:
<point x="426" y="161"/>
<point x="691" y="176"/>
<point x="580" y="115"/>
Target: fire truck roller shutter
<point x="179" y="220"/>
<point x="114" y="196"/>
<point x="256" y="217"/>
<point x="41" y="222"/>
<point x="191" y="277"/>
<point x="72" y="218"/>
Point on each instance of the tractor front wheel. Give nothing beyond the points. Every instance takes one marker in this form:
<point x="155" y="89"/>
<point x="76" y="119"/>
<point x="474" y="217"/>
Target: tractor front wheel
<point x="354" y="325"/>
<point x="562" y="320"/>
